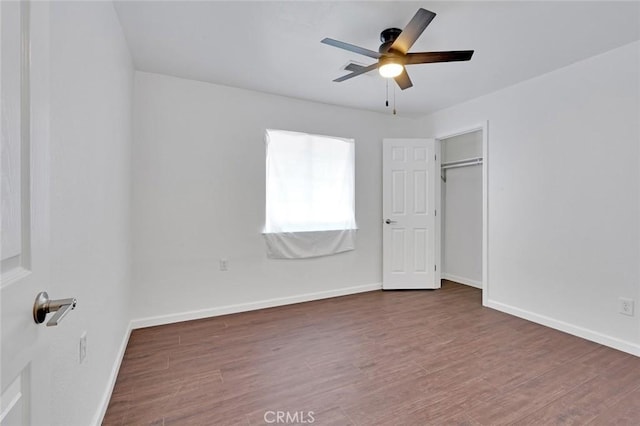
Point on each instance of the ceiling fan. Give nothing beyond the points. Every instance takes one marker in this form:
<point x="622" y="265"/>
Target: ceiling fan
<point x="393" y="53"/>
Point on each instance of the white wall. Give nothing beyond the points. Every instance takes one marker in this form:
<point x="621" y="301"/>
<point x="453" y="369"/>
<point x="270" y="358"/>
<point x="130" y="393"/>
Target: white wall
<point x="462" y="211"/>
<point x="564" y="194"/>
<point x="199" y="195"/>
<point x="91" y="97"/>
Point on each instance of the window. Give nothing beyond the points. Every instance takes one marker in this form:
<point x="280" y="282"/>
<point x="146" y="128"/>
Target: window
<point x="309" y="194"/>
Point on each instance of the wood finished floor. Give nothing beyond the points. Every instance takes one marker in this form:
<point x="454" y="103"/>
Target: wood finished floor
<point x="387" y="358"/>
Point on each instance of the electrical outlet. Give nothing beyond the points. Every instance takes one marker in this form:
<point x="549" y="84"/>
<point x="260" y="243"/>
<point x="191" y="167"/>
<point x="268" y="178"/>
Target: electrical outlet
<point x="224" y="265"/>
<point x="83" y="347"/>
<point x="626" y="306"/>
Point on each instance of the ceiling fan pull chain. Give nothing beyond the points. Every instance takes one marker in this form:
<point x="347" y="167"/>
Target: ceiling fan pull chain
<point x="386" y="102"/>
<point x="394" y="100"/>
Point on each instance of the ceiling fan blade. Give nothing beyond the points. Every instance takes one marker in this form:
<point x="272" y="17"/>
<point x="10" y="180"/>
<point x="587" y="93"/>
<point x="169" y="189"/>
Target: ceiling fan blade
<point x="353" y="67"/>
<point x="430" y="57"/>
<point x="362" y="70"/>
<point x="412" y="31"/>
<point x="403" y="80"/>
<point x="351" y="48"/>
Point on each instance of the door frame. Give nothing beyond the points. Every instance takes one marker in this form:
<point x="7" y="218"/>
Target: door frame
<point x="484" y="127"/>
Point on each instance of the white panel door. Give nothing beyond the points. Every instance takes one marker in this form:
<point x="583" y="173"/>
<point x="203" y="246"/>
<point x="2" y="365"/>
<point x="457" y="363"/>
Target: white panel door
<point x="408" y="207"/>
<point x="25" y="375"/>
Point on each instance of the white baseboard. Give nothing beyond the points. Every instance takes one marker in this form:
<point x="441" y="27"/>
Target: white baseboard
<point x="251" y="306"/>
<point x="106" y="397"/>
<point x="461" y="280"/>
<point x="575" y="330"/>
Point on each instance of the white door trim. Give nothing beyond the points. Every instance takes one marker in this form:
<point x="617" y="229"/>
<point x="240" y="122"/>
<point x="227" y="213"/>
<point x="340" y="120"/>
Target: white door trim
<point x="484" y="127"/>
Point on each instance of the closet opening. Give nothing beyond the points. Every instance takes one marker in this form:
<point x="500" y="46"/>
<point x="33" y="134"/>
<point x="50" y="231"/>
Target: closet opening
<point x="461" y="240"/>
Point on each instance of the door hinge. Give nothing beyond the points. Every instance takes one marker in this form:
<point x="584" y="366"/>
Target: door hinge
<point x="435" y="267"/>
<point x="435" y="212"/>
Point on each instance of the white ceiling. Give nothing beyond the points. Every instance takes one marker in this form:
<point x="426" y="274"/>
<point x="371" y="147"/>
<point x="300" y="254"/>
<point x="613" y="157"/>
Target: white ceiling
<point x="275" y="47"/>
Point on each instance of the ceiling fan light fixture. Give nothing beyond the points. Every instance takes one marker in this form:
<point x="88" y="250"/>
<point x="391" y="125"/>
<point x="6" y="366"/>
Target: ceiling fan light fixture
<point x="390" y="68"/>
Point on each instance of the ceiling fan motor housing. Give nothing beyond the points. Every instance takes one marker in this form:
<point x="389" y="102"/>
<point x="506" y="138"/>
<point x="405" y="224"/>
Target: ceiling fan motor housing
<point x="387" y="37"/>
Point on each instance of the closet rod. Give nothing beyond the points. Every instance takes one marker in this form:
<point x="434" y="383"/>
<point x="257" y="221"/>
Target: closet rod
<point x="462" y="163"/>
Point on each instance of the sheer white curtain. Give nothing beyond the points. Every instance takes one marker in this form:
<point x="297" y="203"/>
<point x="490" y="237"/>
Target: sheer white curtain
<point x="309" y="195"/>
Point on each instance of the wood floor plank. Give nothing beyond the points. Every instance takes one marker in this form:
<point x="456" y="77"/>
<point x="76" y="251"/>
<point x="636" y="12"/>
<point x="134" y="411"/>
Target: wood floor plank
<point x="612" y="384"/>
<point x="387" y="358"/>
<point x="625" y="412"/>
<point x="513" y="405"/>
